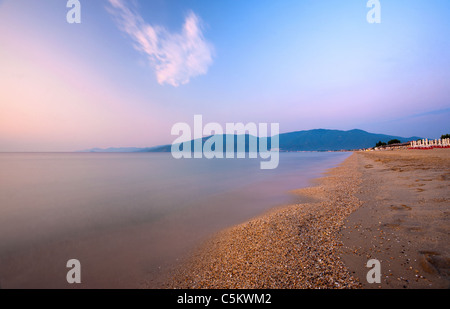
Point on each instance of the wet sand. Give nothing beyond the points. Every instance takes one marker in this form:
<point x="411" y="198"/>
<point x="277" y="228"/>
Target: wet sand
<point x="404" y="221"/>
<point x="391" y="206"/>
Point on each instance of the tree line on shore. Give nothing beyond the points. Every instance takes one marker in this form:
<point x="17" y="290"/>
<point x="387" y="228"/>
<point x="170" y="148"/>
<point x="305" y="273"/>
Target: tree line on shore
<point x="396" y="141"/>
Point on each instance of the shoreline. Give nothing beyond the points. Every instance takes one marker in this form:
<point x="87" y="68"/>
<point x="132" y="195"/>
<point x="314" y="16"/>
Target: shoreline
<point x="323" y="242"/>
<point x="129" y="220"/>
<point x="267" y="252"/>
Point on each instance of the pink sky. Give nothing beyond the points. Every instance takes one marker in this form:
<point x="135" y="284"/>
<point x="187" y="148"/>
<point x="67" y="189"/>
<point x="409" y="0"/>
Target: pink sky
<point x="123" y="80"/>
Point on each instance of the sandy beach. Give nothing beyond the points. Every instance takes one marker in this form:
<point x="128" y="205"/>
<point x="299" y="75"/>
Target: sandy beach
<point x="404" y="221"/>
<point x="391" y="206"/>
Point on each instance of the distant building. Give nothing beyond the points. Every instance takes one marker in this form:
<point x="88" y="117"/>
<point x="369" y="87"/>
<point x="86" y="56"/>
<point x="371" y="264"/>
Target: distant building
<point x="430" y="144"/>
<point x="422" y="144"/>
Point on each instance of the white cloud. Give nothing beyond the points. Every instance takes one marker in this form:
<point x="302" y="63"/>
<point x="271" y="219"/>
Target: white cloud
<point x="176" y="57"/>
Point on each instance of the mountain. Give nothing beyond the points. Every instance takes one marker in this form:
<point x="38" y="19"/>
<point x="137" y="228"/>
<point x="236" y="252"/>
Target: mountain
<point x="316" y="140"/>
<point x="311" y="140"/>
<point x="324" y="140"/>
<point x="240" y="142"/>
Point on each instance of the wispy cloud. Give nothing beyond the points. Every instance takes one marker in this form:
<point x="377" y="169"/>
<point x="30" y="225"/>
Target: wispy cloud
<point x="175" y="57"/>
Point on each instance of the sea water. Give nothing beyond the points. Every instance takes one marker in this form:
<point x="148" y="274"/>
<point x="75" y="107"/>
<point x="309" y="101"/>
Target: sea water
<point x="129" y="217"/>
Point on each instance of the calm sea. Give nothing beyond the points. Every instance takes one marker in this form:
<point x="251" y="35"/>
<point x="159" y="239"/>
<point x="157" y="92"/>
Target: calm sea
<point x="129" y="217"/>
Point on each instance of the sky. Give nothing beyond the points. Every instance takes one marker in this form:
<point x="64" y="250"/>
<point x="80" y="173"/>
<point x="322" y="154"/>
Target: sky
<point x="132" y="69"/>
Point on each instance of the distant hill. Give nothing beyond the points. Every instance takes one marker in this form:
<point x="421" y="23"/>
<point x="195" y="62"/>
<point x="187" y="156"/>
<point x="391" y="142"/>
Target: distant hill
<point x="311" y="140"/>
<point x="324" y="140"/>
